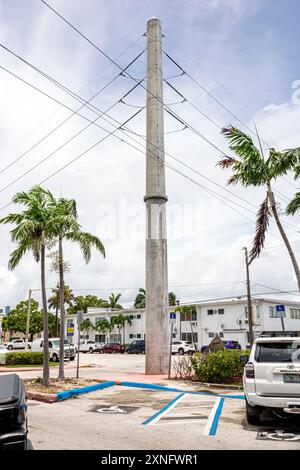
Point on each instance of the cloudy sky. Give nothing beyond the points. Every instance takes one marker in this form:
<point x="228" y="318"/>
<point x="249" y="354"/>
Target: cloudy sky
<point x="244" y="54"/>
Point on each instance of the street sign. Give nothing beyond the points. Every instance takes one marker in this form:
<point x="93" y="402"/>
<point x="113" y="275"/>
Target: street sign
<point x="70" y="329"/>
<point x="79" y="317"/>
<point x="281" y="309"/>
<point x="172" y="317"/>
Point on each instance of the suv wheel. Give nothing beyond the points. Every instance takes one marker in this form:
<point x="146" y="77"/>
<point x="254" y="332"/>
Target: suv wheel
<point x="54" y="358"/>
<point x="253" y="414"/>
<point x="10" y="348"/>
<point x="91" y="350"/>
<point x="181" y="351"/>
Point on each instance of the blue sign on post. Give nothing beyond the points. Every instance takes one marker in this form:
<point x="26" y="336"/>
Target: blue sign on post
<point x="172" y="317"/>
<point x="281" y="309"/>
<point x="70" y="329"/>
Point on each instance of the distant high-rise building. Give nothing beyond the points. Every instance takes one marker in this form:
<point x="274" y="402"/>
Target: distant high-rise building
<point x="7" y="309"/>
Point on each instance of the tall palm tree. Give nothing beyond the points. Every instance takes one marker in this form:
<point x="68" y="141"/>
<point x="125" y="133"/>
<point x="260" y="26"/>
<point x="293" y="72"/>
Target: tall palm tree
<point x="86" y="326"/>
<point x="120" y="321"/>
<point x="54" y="301"/>
<point x="113" y="301"/>
<point x="250" y="168"/>
<point x="33" y="232"/>
<point x="140" y="300"/>
<point x="103" y="326"/>
<point x="64" y="216"/>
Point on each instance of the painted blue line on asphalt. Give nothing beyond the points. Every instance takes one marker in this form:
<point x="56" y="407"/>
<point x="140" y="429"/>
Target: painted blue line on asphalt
<point x="215" y="423"/>
<point x="165" y="408"/>
<point x="78" y="391"/>
<point x="169" y="389"/>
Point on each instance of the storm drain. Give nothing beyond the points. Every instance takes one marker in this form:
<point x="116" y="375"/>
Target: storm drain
<point x="289" y="434"/>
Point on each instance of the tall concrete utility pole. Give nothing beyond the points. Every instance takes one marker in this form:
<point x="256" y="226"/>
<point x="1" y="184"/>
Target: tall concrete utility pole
<point x="157" y="321"/>
<point x="249" y="305"/>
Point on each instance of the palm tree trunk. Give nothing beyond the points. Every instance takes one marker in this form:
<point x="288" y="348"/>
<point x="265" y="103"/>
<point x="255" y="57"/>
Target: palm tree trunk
<point x="61" y="371"/>
<point x="283" y="234"/>
<point x="56" y="320"/>
<point x="123" y="334"/>
<point x="45" y="321"/>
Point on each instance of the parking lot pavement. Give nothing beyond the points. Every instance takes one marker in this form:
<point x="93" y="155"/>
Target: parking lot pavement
<point x="132" y="418"/>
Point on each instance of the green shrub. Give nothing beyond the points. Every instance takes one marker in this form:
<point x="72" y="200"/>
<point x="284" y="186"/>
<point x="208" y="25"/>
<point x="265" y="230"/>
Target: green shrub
<point x="219" y="367"/>
<point x="24" y="358"/>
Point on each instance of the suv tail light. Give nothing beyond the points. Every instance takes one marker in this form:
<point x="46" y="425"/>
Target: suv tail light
<point x="249" y="371"/>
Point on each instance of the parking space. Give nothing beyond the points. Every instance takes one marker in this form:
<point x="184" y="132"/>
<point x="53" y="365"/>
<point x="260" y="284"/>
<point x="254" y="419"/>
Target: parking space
<point x="134" y="418"/>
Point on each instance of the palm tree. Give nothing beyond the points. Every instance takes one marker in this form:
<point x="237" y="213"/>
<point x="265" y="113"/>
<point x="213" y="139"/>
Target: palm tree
<point x="250" y="168"/>
<point x="120" y="321"/>
<point x="113" y="301"/>
<point x="140" y="300"/>
<point x="86" y="326"/>
<point x="33" y="232"/>
<point x="64" y="215"/>
<point x="54" y="301"/>
<point x="103" y="326"/>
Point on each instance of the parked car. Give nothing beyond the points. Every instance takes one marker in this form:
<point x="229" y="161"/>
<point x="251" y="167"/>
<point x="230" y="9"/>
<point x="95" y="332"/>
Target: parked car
<point x="16" y="344"/>
<point x="183" y="347"/>
<point x="112" y="348"/>
<point x="228" y="344"/>
<point x="89" y="346"/>
<point x="136" y="347"/>
<point x="13" y="413"/>
<point x="272" y="377"/>
<point x="69" y="350"/>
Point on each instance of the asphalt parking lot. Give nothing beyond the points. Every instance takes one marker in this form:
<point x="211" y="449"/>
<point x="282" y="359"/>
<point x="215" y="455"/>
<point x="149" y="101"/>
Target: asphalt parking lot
<point x="132" y="418"/>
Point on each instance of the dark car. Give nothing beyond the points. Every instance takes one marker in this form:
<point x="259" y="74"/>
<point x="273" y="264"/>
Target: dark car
<point x="13" y="413"/>
<point x="112" y="348"/>
<point x="228" y="344"/>
<point x="136" y="347"/>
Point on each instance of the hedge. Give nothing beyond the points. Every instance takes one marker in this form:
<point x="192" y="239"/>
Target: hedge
<point x="22" y="358"/>
<point x="219" y="367"/>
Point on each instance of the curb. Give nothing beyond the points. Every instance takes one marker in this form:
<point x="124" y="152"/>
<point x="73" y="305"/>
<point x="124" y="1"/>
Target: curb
<point x="79" y="391"/>
<point x="43" y="397"/>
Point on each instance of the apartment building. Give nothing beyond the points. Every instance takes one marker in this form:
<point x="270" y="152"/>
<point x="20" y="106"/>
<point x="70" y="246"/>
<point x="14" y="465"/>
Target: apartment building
<point x="228" y="318"/>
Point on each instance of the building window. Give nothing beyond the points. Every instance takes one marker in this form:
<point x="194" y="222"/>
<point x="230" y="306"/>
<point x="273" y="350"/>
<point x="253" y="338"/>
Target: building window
<point x="100" y="338"/>
<point x="99" y="319"/>
<point x="139" y="336"/>
<point x="221" y="334"/>
<point x="188" y="337"/>
<point x="211" y="334"/>
<point x="221" y="311"/>
<point x="210" y="311"/>
<point x="114" y="338"/>
<point x="138" y="317"/>
<point x="273" y="312"/>
<point x="295" y="313"/>
<point x="257" y="312"/>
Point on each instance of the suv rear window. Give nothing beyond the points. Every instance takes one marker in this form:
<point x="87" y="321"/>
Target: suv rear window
<point x="277" y="352"/>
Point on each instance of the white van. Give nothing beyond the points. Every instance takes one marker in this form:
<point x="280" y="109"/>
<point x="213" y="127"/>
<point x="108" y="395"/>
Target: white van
<point x="38" y="345"/>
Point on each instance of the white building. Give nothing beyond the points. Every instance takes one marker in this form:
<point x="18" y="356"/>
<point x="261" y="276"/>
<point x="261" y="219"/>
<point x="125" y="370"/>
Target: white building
<point x="227" y="317"/>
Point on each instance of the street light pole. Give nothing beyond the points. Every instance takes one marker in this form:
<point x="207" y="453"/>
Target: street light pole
<point x="28" y="319"/>
<point x="249" y="305"/>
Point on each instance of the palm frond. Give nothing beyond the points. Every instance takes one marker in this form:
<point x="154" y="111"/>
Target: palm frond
<point x="240" y="143"/>
<point x="226" y="162"/>
<point x="294" y="205"/>
<point x="262" y="223"/>
<point x="18" y="254"/>
<point x="86" y="241"/>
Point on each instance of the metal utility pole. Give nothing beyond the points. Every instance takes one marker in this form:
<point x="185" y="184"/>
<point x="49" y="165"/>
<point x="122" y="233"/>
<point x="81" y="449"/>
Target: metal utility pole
<point x="249" y="306"/>
<point x="157" y="321"/>
<point x="28" y="319"/>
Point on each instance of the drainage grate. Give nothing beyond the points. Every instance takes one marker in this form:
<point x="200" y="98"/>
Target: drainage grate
<point x="290" y="434"/>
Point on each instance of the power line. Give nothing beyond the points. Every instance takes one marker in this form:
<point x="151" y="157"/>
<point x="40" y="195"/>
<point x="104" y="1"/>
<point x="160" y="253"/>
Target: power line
<point x="74" y="112"/>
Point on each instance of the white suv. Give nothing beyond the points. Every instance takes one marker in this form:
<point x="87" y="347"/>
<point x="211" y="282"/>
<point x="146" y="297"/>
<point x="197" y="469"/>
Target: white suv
<point x="272" y="377"/>
<point x="183" y="347"/>
<point x="89" y="346"/>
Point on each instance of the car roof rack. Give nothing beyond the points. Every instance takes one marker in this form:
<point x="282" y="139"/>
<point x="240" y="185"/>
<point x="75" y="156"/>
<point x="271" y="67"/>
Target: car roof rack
<point x="275" y="334"/>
